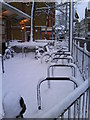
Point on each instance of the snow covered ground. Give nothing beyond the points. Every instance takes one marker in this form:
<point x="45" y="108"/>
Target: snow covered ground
<point x="22" y="75"/>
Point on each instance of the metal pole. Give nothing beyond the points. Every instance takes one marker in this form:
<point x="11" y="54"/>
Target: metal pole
<point x="70" y="24"/>
<point x="47" y="24"/>
<point x="66" y="17"/>
<point x="32" y="21"/>
<point x="89" y="87"/>
<point x="1" y="70"/>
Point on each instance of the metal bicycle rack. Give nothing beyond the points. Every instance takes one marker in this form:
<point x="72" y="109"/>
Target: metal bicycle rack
<point x="46" y="54"/>
<point x="66" y="53"/>
<point x="71" y="65"/>
<point x="72" y="79"/>
<point x="69" y="58"/>
<point x="59" y="53"/>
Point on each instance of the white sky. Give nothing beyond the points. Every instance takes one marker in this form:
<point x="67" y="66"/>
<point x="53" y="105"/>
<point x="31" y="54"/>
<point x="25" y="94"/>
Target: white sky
<point x="81" y="9"/>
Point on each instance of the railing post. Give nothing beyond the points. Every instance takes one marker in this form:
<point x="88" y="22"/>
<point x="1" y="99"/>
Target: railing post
<point x="74" y="50"/>
<point x="83" y="102"/>
<point x="69" y="113"/>
<point x="73" y="47"/>
<point x="85" y="46"/>
<point x="74" y="110"/>
<point x="89" y="87"/>
<point x="77" y="53"/>
<point x="83" y="61"/>
<point x="78" y="44"/>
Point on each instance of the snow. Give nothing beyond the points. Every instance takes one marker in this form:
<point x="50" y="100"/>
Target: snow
<point x="22" y="75"/>
<point x="26" y="44"/>
<point x="45" y="41"/>
<point x="11" y="104"/>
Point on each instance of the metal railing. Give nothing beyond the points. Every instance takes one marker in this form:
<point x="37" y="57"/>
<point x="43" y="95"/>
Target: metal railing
<point x="81" y="56"/>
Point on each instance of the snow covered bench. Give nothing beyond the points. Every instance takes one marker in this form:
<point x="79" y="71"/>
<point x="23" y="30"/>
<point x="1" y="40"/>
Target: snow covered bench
<point x="27" y="45"/>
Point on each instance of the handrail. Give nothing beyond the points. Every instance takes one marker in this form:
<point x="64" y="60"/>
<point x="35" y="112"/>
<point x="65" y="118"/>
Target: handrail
<point x="81" y="57"/>
<point x="81" y="39"/>
<point x="81" y="49"/>
<point x="72" y="79"/>
<point x="71" y="99"/>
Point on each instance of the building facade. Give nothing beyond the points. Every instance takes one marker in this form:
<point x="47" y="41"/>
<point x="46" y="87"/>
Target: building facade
<point x="82" y="28"/>
<point x="43" y="19"/>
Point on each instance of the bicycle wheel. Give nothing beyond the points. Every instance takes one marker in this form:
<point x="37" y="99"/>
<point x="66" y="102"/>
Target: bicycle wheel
<point x="55" y="55"/>
<point x="46" y="58"/>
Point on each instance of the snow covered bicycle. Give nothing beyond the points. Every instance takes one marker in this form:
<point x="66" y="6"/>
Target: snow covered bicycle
<point x="49" y="56"/>
<point x="9" y="52"/>
<point x="50" y="50"/>
<point x="40" y="51"/>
